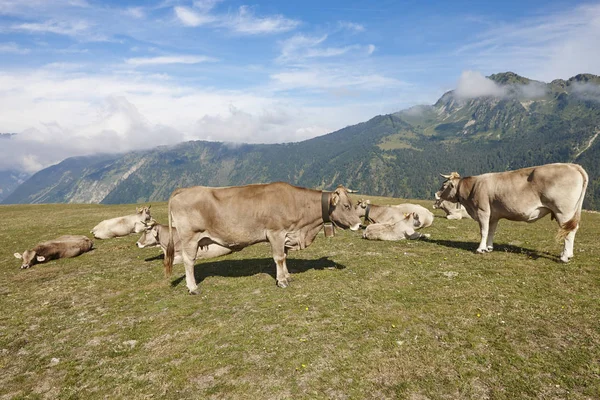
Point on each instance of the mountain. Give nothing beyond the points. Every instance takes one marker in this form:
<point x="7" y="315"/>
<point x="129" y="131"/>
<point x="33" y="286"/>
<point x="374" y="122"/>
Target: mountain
<point x="10" y="178"/>
<point x="521" y="122"/>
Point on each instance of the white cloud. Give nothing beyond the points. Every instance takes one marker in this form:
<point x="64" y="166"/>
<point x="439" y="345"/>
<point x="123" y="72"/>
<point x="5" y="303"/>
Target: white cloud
<point x="301" y="47"/>
<point x="13" y="48"/>
<point x="60" y="28"/>
<point x="474" y="84"/>
<point x="141" y="61"/>
<point x="244" y="21"/>
<point x="192" y="18"/>
<point x="332" y="78"/>
<point x="58" y="114"/>
<point x="351" y="26"/>
<point x="136" y="12"/>
<point x="206" y="5"/>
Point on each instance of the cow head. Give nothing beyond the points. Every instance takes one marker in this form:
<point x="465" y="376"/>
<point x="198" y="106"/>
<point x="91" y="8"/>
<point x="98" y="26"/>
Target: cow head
<point x="361" y="207"/>
<point x="341" y="211"/>
<point x="449" y="189"/>
<point x="149" y="236"/>
<point x="144" y="213"/>
<point x="30" y="258"/>
<point x="413" y="218"/>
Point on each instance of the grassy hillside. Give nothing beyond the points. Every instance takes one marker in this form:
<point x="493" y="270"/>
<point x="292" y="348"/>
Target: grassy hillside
<point x="361" y="319"/>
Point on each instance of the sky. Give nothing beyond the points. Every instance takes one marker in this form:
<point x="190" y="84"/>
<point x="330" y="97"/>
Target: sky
<point x="79" y="77"/>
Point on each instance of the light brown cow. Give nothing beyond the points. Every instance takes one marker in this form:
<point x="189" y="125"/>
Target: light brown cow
<point x="158" y="235"/>
<point x="526" y="194"/>
<point x="452" y="210"/>
<point x="222" y="220"/>
<point x="122" y="226"/>
<point x="404" y="229"/>
<point x="392" y="214"/>
<point x="63" y="247"/>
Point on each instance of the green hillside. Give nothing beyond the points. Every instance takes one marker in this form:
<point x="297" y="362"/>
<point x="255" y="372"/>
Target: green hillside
<point x="396" y="155"/>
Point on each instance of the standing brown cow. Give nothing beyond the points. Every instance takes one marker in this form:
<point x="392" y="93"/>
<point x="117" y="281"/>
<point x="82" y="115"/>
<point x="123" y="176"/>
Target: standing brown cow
<point x="526" y="194"/>
<point x="222" y="220"/>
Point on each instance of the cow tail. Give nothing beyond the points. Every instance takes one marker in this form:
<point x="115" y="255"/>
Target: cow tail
<point x="573" y="223"/>
<point x="170" y="255"/>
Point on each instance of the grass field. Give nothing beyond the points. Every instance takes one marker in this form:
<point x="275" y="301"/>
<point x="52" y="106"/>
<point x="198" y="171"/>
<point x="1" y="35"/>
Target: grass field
<point x="426" y="319"/>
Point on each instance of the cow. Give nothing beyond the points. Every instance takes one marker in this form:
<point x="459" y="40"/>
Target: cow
<point x="122" y="226"/>
<point x="392" y="214"/>
<point x="526" y="194"/>
<point x="403" y="229"/>
<point x="227" y="219"/>
<point x="157" y="235"/>
<point x="63" y="247"/>
<point x="452" y="210"/>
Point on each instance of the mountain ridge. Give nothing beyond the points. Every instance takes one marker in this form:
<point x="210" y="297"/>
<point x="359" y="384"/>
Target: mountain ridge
<point x="524" y="123"/>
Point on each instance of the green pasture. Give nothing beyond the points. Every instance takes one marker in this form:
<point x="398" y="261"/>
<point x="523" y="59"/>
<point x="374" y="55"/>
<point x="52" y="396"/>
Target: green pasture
<point x="425" y="319"/>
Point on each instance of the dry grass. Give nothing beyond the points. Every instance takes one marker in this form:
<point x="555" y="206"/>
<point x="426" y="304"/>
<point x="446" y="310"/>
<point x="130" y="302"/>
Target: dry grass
<point x="425" y="319"/>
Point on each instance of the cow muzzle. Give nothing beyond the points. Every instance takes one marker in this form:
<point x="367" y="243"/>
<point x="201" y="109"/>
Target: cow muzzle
<point x="355" y="227"/>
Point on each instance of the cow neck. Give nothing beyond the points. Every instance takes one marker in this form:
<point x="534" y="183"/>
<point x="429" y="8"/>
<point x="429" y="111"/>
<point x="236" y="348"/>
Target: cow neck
<point x="458" y="195"/>
<point x="367" y="210"/>
<point x="325" y="206"/>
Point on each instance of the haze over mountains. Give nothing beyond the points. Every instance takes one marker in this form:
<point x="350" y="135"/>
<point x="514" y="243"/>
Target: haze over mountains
<point x="501" y="123"/>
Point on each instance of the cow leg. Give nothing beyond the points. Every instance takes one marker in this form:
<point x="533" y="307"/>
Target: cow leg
<point x="188" y="253"/>
<point x="567" y="252"/>
<point x="279" y="256"/>
<point x="491" y="232"/>
<point x="484" y="224"/>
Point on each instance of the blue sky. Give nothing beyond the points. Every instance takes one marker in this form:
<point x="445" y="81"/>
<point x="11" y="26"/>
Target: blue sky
<point x="85" y="76"/>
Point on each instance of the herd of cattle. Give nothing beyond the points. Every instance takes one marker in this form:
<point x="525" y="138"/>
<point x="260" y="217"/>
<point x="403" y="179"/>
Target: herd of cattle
<point x="206" y="222"/>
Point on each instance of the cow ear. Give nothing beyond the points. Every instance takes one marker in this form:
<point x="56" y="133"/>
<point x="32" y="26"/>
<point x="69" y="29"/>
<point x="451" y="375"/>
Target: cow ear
<point x="368" y="201"/>
<point x="335" y="198"/>
<point x="138" y="210"/>
<point x="41" y="258"/>
<point x="19" y="256"/>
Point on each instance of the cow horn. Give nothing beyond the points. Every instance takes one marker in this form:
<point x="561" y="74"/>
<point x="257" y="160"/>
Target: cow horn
<point x="445" y="176"/>
<point x="351" y="191"/>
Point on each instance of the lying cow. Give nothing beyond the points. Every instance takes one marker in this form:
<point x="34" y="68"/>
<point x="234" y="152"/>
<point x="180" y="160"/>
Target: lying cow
<point x="404" y="229"/>
<point x="392" y="214"/>
<point x="158" y="235"/>
<point x="526" y="194"/>
<point x="122" y="226"/>
<point x="223" y="220"/>
<point x="452" y="210"/>
<point x="63" y="247"/>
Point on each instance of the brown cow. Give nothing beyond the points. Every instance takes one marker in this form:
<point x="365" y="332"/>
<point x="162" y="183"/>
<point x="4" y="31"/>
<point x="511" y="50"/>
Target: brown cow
<point x="526" y="194"/>
<point x="122" y="226"/>
<point x="391" y="214"/>
<point x="404" y="229"/>
<point x="222" y="220"/>
<point x="63" y="247"/>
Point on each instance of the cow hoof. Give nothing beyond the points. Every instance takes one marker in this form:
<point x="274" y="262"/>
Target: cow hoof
<point x="490" y="249"/>
<point x="565" y="259"/>
<point x="283" y="283"/>
<point x="195" y="291"/>
<point x="481" y="251"/>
